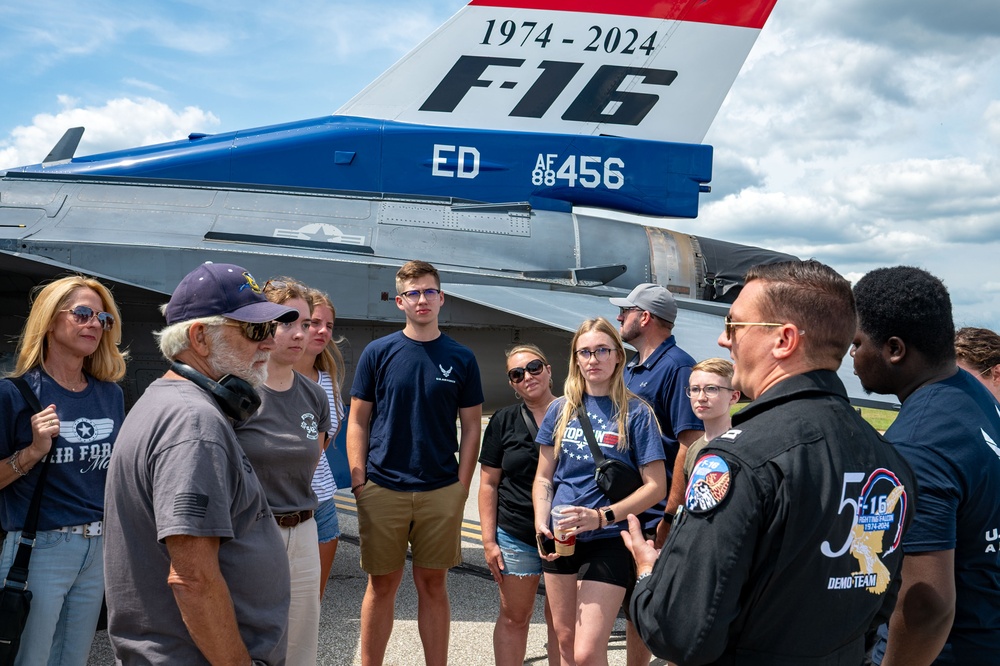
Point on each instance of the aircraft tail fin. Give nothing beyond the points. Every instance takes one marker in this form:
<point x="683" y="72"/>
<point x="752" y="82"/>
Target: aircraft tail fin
<point x="644" y="69"/>
<point x="66" y="147"/>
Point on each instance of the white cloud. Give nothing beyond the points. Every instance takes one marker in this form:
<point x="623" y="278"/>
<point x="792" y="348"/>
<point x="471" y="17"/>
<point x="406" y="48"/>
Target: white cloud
<point x="923" y="189"/>
<point x="119" y="123"/>
<point x="992" y="118"/>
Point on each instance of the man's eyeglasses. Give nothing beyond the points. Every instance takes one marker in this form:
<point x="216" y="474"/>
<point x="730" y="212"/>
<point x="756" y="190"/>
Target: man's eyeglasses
<point x="600" y="353"/>
<point x="731" y="325"/>
<point x="710" y="390"/>
<point x="82" y="314"/>
<point x="414" y="294"/>
<point x="255" y="332"/>
<point x="623" y="311"/>
<point x="516" y="375"/>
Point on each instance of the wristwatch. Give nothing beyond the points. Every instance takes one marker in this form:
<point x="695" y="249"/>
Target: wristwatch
<point x="609" y="515"/>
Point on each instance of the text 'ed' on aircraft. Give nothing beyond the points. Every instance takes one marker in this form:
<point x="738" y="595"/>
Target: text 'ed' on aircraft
<point x="475" y="152"/>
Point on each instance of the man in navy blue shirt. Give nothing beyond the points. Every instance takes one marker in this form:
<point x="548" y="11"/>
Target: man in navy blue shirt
<point x="658" y="374"/>
<point x="401" y="442"/>
<point x="948" y="429"/>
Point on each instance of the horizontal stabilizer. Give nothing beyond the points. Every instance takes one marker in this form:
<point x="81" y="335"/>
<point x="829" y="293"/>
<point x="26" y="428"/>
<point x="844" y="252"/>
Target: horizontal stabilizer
<point x="592" y="276"/>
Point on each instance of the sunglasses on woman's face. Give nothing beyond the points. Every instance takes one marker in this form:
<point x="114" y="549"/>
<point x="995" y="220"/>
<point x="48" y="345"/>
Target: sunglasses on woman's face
<point x="516" y="375"/>
<point x="82" y="315"/>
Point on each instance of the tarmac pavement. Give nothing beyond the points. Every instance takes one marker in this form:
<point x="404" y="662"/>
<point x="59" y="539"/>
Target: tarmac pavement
<point x="474" y="606"/>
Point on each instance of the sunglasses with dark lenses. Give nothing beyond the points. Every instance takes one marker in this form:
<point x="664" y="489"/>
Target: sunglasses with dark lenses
<point x="516" y="375"/>
<point x="82" y="315"/>
<point x="256" y="332"/>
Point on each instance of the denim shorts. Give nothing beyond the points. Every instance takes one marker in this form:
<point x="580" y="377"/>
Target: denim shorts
<point x="327" y="524"/>
<point x="519" y="559"/>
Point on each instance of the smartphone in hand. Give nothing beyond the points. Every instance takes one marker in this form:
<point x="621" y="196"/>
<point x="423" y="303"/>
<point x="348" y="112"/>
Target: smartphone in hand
<point x="546" y="546"/>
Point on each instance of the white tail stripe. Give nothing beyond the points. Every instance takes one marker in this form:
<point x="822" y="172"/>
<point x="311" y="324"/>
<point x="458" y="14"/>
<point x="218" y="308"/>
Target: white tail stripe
<point x="563" y="72"/>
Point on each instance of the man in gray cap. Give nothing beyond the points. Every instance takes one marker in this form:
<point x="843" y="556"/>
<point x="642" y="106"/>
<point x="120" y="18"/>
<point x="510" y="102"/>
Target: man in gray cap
<point x="658" y="374"/>
<point x="191" y="547"/>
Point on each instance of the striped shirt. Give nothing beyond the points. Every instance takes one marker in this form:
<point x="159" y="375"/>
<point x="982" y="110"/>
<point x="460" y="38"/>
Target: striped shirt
<point x="323" y="484"/>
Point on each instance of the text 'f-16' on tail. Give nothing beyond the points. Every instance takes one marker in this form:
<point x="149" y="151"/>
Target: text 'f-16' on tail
<point x="644" y="69"/>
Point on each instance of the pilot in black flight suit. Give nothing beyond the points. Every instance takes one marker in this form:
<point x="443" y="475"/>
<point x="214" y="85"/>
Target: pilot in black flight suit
<point x="787" y="550"/>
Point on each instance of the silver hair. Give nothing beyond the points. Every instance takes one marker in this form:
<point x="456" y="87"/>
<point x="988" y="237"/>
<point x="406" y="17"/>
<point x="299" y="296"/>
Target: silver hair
<point x="174" y="338"/>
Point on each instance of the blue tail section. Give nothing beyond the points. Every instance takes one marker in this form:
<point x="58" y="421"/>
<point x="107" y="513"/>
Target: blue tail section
<point x="553" y="171"/>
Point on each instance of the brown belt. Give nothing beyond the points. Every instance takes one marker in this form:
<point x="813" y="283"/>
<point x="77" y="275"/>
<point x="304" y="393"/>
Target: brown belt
<point x="293" y="519"/>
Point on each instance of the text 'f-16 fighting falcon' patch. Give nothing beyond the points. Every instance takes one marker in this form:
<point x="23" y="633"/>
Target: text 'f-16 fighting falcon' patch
<point x="708" y="485"/>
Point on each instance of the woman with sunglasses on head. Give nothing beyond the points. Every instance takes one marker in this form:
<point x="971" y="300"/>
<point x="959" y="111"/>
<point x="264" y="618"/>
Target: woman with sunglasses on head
<point x="323" y="363"/>
<point x="586" y="589"/>
<point x="508" y="459"/>
<point x="68" y="354"/>
<point x="284" y="440"/>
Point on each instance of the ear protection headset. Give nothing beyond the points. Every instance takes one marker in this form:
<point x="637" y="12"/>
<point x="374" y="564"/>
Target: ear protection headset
<point x="236" y="397"/>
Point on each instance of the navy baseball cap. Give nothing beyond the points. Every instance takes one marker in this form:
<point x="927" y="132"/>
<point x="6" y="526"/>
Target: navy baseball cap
<point x="652" y="298"/>
<point x="226" y="290"/>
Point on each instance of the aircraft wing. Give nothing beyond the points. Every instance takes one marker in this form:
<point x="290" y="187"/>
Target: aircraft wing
<point x="38" y="269"/>
<point x="697" y="328"/>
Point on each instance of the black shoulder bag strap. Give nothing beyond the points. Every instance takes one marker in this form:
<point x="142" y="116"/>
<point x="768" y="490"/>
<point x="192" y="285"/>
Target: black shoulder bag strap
<point x="532" y="428"/>
<point x="17" y="577"/>
<point x="588" y="431"/>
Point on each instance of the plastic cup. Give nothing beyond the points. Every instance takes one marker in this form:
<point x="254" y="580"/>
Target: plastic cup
<point x="565" y="539"/>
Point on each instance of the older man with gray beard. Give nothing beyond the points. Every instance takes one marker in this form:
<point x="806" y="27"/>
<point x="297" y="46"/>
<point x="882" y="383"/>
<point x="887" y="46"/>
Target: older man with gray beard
<point x="191" y="545"/>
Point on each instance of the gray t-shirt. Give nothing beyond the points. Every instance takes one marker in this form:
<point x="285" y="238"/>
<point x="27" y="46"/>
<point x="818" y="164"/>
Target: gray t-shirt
<point x="282" y="440"/>
<point x="178" y="469"/>
<point x="692" y="454"/>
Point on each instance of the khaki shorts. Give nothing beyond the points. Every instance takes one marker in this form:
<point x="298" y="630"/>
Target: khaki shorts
<point x="430" y="522"/>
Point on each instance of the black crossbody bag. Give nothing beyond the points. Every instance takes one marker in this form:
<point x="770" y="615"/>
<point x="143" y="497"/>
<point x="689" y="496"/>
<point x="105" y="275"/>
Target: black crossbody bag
<point x="15" y="597"/>
<point x="616" y="479"/>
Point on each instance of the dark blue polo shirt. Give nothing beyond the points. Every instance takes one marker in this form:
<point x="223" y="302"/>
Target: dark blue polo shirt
<point x="660" y="381"/>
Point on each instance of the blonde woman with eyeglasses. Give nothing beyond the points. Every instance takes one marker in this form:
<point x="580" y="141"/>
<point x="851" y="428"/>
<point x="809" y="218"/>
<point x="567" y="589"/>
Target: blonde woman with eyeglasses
<point x="68" y="354"/>
<point x="586" y="589"/>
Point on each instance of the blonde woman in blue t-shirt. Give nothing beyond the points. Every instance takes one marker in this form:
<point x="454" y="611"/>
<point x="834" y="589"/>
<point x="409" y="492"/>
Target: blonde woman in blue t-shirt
<point x="68" y="354"/>
<point x="586" y="589"/>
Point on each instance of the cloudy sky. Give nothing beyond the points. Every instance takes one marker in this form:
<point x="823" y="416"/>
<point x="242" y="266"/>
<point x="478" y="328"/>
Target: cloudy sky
<point x="860" y="133"/>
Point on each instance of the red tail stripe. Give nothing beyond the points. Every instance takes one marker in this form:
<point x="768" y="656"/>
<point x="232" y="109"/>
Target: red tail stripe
<point x="742" y="13"/>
